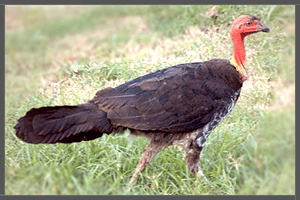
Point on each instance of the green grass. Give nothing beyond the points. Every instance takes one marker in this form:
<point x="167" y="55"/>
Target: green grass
<point x="54" y="59"/>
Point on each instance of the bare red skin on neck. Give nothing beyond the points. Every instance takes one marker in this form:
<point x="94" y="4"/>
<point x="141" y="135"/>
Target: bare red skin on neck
<point x="238" y="32"/>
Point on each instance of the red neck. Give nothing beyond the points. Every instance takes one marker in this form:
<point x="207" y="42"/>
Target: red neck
<point x="239" y="49"/>
<point x="239" y="54"/>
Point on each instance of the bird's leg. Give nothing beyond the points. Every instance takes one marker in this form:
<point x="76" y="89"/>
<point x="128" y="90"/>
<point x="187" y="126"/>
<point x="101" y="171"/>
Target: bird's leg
<point x="193" y="160"/>
<point x="148" y="154"/>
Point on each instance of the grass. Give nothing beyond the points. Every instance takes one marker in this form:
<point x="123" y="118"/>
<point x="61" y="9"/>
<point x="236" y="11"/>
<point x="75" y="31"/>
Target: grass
<point x="53" y="59"/>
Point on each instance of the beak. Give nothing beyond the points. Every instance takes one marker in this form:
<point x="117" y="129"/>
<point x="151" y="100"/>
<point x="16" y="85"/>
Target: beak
<point x="263" y="28"/>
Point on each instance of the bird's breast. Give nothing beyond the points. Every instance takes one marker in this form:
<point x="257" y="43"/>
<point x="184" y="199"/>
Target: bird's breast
<point x="218" y="117"/>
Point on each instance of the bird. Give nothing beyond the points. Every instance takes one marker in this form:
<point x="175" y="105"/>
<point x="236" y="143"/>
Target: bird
<point x="177" y="105"/>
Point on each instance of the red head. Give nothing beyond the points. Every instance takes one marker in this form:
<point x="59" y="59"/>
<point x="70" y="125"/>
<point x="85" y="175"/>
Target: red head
<point x="242" y="26"/>
<point x="247" y="24"/>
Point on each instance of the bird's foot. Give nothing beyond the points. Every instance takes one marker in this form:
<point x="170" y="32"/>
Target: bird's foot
<point x="201" y="175"/>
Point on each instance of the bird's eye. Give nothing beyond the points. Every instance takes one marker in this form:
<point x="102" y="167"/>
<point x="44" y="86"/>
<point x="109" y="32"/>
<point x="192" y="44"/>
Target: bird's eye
<point x="248" y="23"/>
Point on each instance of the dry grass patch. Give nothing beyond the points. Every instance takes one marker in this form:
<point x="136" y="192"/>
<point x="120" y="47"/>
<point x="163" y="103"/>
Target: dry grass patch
<point x="94" y="44"/>
<point x="97" y="44"/>
<point x="77" y="88"/>
<point x="20" y="17"/>
<point x="284" y="95"/>
<point x="68" y="90"/>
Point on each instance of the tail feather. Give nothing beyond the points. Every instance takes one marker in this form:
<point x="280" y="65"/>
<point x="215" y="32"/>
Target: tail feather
<point x="63" y="124"/>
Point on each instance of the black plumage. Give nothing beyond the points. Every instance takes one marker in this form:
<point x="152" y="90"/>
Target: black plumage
<point x="176" y="105"/>
<point x="181" y="98"/>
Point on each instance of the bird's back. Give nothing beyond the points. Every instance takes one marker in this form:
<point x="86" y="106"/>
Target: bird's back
<point x="181" y="98"/>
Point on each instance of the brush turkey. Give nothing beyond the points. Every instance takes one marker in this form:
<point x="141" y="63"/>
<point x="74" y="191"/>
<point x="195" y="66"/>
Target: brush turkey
<point x="177" y="105"/>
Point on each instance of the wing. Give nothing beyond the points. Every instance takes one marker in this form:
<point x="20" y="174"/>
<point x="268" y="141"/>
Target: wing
<point x="180" y="98"/>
